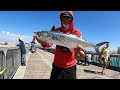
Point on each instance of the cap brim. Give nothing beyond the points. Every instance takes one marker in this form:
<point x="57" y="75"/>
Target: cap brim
<point x="66" y="16"/>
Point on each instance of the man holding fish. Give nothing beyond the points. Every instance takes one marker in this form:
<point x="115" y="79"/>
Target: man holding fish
<point x="65" y="60"/>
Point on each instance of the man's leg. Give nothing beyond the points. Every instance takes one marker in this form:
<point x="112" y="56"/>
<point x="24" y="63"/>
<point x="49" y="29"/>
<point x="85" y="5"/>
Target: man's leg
<point x="23" y="59"/>
<point x="56" y="73"/>
<point x="103" y="66"/>
<point x="69" y="73"/>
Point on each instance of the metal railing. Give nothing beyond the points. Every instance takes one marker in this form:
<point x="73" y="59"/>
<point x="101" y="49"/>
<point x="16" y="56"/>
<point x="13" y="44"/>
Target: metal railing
<point x="114" y="62"/>
<point x="10" y="60"/>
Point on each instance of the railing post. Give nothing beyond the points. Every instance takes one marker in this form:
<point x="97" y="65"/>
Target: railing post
<point x="5" y="53"/>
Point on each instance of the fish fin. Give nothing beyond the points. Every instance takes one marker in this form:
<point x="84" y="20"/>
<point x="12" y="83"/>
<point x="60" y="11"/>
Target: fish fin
<point x="71" y="49"/>
<point x="98" y="45"/>
<point x="53" y="28"/>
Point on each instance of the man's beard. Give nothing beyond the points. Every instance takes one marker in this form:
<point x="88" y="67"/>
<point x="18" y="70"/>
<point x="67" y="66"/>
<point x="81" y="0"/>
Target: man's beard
<point x="66" y="26"/>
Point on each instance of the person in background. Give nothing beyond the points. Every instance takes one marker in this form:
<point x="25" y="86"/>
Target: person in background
<point x="64" y="64"/>
<point x="86" y="59"/>
<point x="33" y="47"/>
<point x="23" y="51"/>
<point x="104" y="57"/>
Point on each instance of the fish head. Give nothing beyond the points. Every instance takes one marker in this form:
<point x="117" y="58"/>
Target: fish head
<point x="43" y="35"/>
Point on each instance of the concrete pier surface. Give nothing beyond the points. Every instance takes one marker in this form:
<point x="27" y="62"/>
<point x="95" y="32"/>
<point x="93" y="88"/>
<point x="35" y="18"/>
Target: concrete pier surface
<point x="39" y="65"/>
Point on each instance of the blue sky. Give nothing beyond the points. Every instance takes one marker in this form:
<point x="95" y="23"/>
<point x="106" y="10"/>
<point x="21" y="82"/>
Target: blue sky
<point x="96" y="26"/>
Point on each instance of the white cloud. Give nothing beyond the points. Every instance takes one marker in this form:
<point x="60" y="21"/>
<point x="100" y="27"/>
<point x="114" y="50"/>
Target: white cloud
<point x="11" y="37"/>
<point x="3" y="31"/>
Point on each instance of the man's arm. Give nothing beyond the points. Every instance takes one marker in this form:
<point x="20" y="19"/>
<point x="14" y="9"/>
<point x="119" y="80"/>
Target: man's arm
<point x="40" y="41"/>
<point x="18" y="44"/>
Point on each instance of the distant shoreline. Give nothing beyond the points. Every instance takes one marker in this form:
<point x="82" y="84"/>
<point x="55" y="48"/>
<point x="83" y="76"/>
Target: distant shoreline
<point x="7" y="45"/>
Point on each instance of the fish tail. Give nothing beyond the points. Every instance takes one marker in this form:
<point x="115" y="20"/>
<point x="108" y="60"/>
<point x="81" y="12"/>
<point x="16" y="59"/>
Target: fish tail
<point x="98" y="45"/>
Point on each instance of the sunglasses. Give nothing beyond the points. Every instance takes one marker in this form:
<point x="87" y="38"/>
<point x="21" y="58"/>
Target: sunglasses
<point x="67" y="18"/>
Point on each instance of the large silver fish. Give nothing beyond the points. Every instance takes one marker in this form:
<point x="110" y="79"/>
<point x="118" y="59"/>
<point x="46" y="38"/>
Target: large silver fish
<point x="66" y="40"/>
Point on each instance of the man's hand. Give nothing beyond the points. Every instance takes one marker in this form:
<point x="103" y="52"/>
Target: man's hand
<point x="38" y="40"/>
<point x="80" y="52"/>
